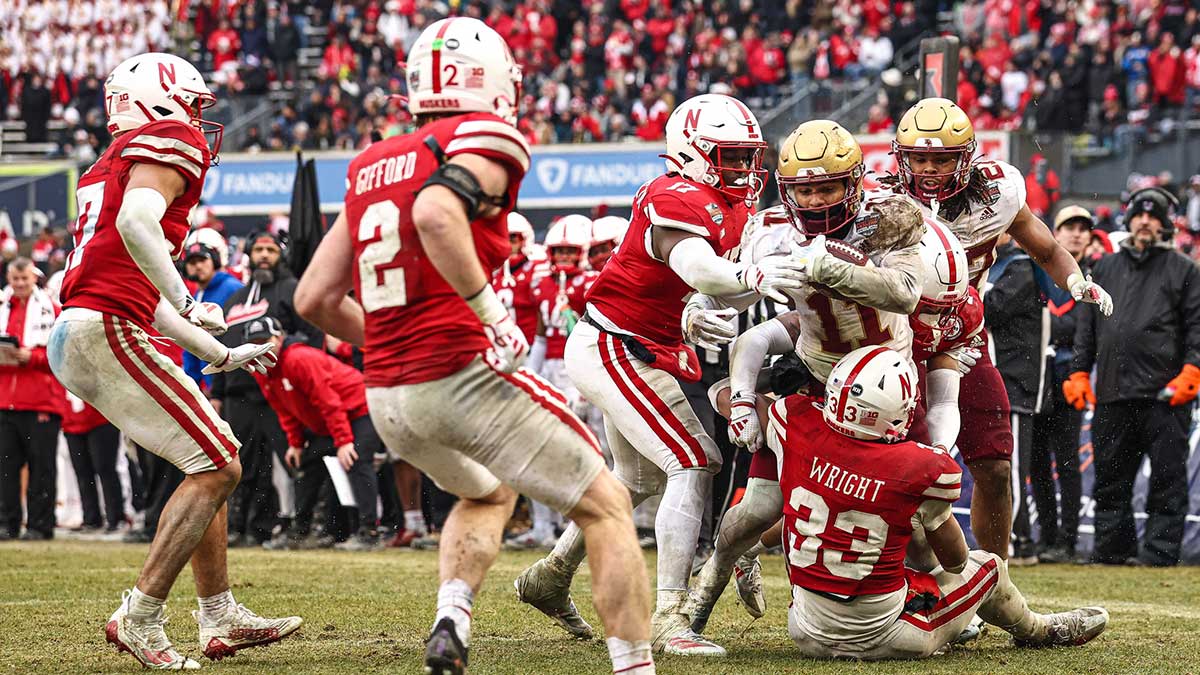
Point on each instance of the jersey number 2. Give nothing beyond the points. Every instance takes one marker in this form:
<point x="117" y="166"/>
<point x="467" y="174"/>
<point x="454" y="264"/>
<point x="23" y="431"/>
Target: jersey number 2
<point x="380" y="276"/>
<point x="868" y="533"/>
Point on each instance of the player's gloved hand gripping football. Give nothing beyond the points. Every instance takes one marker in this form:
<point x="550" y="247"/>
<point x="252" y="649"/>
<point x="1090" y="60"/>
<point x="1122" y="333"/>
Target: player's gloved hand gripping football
<point x="509" y="346"/>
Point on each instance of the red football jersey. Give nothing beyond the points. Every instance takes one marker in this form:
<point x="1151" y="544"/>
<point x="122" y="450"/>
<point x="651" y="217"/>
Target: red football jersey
<point x="958" y="329"/>
<point x="100" y="274"/>
<point x="514" y="286"/>
<point x="641" y="294"/>
<point x="578" y="289"/>
<point x="551" y="297"/>
<point x="417" y="328"/>
<point x="848" y="504"/>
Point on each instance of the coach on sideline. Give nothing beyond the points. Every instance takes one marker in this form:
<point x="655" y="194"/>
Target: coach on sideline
<point x="31" y="402"/>
<point x="1147" y="359"/>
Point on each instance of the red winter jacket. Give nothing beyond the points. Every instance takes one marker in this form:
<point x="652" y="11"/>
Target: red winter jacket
<point x="81" y="420"/>
<point x="309" y="389"/>
<point x="31" y="386"/>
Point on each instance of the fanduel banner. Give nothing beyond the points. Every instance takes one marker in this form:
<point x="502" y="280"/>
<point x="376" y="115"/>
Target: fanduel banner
<point x="567" y="176"/>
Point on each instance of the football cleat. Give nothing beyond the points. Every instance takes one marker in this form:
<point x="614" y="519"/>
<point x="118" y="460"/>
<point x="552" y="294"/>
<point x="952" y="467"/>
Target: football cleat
<point x="671" y="634"/>
<point x="972" y="632"/>
<point x="549" y="591"/>
<point x="242" y="629"/>
<point x="1070" y="629"/>
<point x="146" y="642"/>
<point x="747" y="573"/>
<point x="445" y="654"/>
<point x="706" y="590"/>
<point x="529" y="540"/>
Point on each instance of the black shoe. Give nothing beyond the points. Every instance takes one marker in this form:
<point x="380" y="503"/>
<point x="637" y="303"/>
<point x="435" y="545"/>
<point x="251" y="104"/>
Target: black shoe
<point x="283" y="542"/>
<point x="36" y="535"/>
<point x="1024" y="553"/>
<point x="1057" y="555"/>
<point x="5" y="535"/>
<point x="444" y="652"/>
<point x="137" y="537"/>
<point x="235" y="540"/>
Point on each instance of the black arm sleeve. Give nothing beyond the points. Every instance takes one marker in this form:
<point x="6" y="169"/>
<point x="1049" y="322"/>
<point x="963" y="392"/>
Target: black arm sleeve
<point x="1190" y="313"/>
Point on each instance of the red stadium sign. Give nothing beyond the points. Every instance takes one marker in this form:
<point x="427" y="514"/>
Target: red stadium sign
<point x="877" y="153"/>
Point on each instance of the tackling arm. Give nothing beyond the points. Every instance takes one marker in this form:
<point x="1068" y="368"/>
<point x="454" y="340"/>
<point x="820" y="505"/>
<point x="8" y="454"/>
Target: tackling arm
<point x="776" y="336"/>
<point x="892" y="286"/>
<point x="941" y="413"/>
<point x="321" y="295"/>
<point x="150" y="189"/>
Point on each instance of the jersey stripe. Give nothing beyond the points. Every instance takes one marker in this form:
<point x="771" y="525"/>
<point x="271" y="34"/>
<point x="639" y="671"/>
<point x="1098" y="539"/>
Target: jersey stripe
<point x="940" y="493"/>
<point x="852" y="376"/>
<point x="671" y="223"/>
<point x="168" y="143"/>
<point x="495" y="128"/>
<point x="497" y="144"/>
<point x="949" y="479"/>
<point x="964" y="598"/>
<point x="549" y="398"/>
<point x="187" y="165"/>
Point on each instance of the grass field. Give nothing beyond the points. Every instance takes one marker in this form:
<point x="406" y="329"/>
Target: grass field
<point x="368" y="613"/>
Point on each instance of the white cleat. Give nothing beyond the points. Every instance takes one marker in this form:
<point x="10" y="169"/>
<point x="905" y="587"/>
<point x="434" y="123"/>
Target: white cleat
<point x="748" y="575"/>
<point x="672" y="635"/>
<point x="146" y="642"/>
<point x="549" y="591"/>
<point x="1071" y="629"/>
<point x="242" y="629"/>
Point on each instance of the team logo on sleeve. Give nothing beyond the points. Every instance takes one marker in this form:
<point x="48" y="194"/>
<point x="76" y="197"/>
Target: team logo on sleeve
<point x="714" y="212"/>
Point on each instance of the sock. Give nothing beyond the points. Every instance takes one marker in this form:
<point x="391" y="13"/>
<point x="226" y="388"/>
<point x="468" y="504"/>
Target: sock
<point x="670" y="601"/>
<point x="143" y="608"/>
<point x="677" y="529"/>
<point x="454" y="601"/>
<point x="414" y="521"/>
<point x="216" y="607"/>
<point x="1006" y="607"/>
<point x="630" y="658"/>
<point x="756" y="550"/>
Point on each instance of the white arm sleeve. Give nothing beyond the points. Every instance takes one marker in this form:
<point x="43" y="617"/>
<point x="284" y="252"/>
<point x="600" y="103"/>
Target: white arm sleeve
<point x="739" y="301"/>
<point x="139" y="222"/>
<point x="188" y="335"/>
<point x="942" y="412"/>
<point x="695" y="261"/>
<point x="752" y="348"/>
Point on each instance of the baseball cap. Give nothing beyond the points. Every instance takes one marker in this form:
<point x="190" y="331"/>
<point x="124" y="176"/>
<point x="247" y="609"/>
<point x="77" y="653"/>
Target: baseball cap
<point x="198" y="250"/>
<point x="1072" y="212"/>
<point x="262" y="329"/>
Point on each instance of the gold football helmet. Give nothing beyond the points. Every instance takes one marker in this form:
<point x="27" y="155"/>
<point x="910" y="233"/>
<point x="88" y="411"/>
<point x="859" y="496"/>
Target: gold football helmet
<point x="819" y="151"/>
<point x="934" y="125"/>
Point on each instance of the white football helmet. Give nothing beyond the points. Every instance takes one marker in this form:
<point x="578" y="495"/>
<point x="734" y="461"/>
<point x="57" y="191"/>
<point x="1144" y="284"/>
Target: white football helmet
<point x="871" y="395"/>
<point x="711" y="136"/>
<point x="212" y="239"/>
<point x="519" y="225"/>
<point x="945" y="264"/>
<point x="609" y="229"/>
<point x="155" y="86"/>
<point x="573" y="232"/>
<point x="461" y="65"/>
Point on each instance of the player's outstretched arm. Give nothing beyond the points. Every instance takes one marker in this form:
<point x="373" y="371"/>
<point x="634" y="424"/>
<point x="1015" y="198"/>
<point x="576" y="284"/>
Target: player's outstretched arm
<point x="776" y="336"/>
<point x="150" y="189"/>
<point x="321" y="295"/>
<point x="1035" y="238"/>
<point x="699" y="266"/>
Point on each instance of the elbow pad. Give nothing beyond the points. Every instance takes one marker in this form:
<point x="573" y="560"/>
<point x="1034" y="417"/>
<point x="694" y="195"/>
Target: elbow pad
<point x="459" y="180"/>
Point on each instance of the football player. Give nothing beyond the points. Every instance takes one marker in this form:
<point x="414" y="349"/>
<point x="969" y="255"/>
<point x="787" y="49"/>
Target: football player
<point x="978" y="200"/>
<point x="626" y="352"/>
<point x="854" y="489"/>
<point x="425" y="221"/>
<point x="121" y="281"/>
<point x="566" y="242"/>
<point x="820" y="175"/>
<point x="515" y="280"/>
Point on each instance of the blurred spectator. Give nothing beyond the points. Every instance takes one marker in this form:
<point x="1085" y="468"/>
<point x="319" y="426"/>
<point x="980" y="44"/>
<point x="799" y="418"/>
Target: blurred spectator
<point x="1054" y="462"/>
<point x="95" y="445"/>
<point x="285" y="48"/>
<point x="35" y="109"/>
<point x="322" y="407"/>
<point x="1147" y="359"/>
<point x="1041" y="187"/>
<point x="1193" y="204"/>
<point x="874" y="51"/>
<point x="878" y="121"/>
<point x="31" y="402"/>
<point x="223" y="44"/>
<point x="202" y="266"/>
<point x="1167" y="72"/>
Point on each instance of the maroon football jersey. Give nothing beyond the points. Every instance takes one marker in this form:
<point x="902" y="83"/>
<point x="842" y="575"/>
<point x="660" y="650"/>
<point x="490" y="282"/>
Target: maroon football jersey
<point x="641" y="294"/>
<point x="848" y="504"/>
<point x="552" y="300"/>
<point x="957" y="329"/>
<point x="418" y="329"/>
<point x="100" y="274"/>
<point x="514" y="286"/>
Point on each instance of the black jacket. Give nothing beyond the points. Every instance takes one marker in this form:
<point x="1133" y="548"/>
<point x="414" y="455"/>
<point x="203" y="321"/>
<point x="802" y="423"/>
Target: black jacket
<point x="1019" y="324"/>
<point x="1154" y="328"/>
<point x="253" y="301"/>
<point x="1064" y="317"/>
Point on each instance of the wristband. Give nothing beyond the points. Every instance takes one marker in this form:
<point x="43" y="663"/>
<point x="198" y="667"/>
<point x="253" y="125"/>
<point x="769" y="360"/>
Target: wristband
<point x="487" y="306"/>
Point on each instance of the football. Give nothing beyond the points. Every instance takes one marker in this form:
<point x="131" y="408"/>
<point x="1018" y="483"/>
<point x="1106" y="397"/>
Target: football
<point x="842" y="251"/>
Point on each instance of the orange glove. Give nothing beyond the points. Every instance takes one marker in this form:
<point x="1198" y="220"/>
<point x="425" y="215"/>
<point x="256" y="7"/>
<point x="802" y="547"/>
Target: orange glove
<point x="1185" y="385"/>
<point x="1078" y="390"/>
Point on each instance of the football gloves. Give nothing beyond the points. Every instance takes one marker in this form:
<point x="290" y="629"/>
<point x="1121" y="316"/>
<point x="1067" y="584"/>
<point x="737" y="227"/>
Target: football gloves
<point x="1083" y="289"/>
<point x="814" y="257"/>
<point x="744" y="427"/>
<point x="1184" y="387"/>
<point x="253" y="358"/>
<point x="773" y="275"/>
<point x="965" y="357"/>
<point x="708" y="328"/>
<point x="207" y="315"/>
<point x="509" y="346"/>
<point x="1077" y="389"/>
